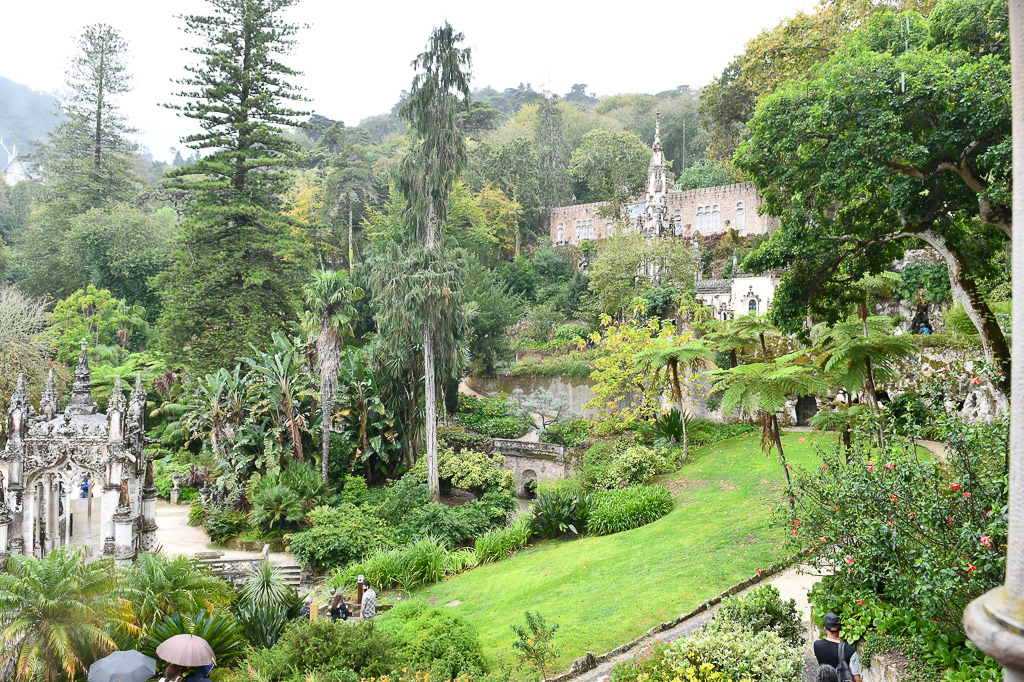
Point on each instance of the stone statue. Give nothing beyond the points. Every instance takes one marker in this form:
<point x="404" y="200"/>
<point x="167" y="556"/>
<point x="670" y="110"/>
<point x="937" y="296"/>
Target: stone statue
<point x="81" y="393"/>
<point x="124" y="501"/>
<point x="49" y="402"/>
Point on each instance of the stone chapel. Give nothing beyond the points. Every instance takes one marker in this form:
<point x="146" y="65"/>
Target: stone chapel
<point x="51" y="454"/>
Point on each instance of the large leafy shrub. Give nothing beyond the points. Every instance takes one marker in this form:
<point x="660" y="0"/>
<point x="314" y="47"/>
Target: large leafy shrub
<point x="619" y="464"/>
<point x="222" y="524"/>
<point x="459" y="439"/>
<point x="473" y="470"/>
<point x="762" y="609"/>
<point x="568" y="432"/>
<point x="613" y="511"/>
<point x="496" y="417"/>
<point x="333" y="651"/>
<point x="340" y="535"/>
<point x="559" y="511"/>
<point x="220" y="630"/>
<point x="276" y="507"/>
<point x="431" y="639"/>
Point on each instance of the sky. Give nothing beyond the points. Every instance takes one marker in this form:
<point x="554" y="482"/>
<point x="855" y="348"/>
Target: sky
<point x="355" y="57"/>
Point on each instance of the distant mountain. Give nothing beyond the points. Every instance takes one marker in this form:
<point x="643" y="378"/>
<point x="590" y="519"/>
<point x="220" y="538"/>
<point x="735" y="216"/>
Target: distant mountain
<point x="26" y="116"/>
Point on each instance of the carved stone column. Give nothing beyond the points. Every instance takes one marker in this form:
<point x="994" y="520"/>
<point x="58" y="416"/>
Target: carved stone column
<point x="5" y="527"/>
<point x="148" y="540"/>
<point x="995" y="621"/>
<point x="124" y="533"/>
<point x="108" y="508"/>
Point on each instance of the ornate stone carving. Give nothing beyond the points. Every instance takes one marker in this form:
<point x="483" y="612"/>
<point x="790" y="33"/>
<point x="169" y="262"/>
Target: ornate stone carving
<point x="49" y="404"/>
<point x="81" y="392"/>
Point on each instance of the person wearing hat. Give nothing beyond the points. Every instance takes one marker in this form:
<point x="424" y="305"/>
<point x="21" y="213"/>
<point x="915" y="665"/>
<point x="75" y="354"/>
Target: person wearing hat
<point x="828" y="651"/>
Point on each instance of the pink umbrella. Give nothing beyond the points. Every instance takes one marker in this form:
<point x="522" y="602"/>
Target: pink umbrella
<point x="186" y="650"/>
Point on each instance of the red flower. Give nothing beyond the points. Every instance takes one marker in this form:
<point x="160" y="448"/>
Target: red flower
<point x="824" y="466"/>
<point x="950" y="519"/>
<point x="796" y="523"/>
<point x="802" y="440"/>
<point x="967" y="496"/>
<point x="871" y="468"/>
<point x="861" y="602"/>
<point x="913" y="515"/>
<point x="849" y="560"/>
<point x="890" y="465"/>
<point x="976" y="380"/>
<point x="759" y="571"/>
<point x="822" y="538"/>
<point x="795" y="532"/>
<point x="985" y="540"/>
<point x="954" y="486"/>
<point x="972" y="568"/>
<point x="893" y="497"/>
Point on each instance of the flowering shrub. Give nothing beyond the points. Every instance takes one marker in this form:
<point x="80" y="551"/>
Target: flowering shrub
<point x="533" y="648"/>
<point x="762" y="609"/>
<point x="927" y="534"/>
<point x="613" y="511"/>
<point x="728" y="654"/>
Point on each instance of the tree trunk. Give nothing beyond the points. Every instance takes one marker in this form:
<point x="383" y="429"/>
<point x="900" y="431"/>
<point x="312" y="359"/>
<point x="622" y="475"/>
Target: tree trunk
<point x="764" y="346"/>
<point x="733" y="360"/>
<point x="782" y="458"/>
<point x="351" y="251"/>
<point x="848" y="444"/>
<point x="965" y="291"/>
<point x="431" y="410"/>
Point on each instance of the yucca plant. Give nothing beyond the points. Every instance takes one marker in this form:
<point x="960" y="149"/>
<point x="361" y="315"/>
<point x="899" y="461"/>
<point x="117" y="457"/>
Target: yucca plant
<point x="265" y="586"/>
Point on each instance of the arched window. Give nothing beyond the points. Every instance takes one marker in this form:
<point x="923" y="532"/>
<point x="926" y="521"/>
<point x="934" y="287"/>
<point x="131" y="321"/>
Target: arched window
<point x="561" y="233"/>
<point x="715" y="215"/>
<point x="700" y="218"/>
<point x="752" y="306"/>
<point x="741" y="218"/>
<point x="609" y="229"/>
<point x="590" y="229"/>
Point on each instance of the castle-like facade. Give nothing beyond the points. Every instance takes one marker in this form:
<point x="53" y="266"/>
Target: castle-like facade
<point x="664" y="212"/>
<point x="51" y="454"/>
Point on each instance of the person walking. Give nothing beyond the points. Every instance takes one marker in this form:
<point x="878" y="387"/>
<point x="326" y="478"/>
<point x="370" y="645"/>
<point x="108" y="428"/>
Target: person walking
<point x="368" y="607"/>
<point x="834" y="653"/>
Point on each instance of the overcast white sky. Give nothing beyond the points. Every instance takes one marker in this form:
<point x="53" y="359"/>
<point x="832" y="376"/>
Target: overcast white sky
<point x="355" y="55"/>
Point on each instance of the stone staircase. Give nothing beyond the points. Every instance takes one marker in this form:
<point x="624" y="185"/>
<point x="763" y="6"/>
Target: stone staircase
<point x="235" y="570"/>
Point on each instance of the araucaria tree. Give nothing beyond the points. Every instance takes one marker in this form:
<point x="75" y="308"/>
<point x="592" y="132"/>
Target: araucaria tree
<point x="238" y="271"/>
<point x="86" y="159"/>
<point x="426" y="178"/>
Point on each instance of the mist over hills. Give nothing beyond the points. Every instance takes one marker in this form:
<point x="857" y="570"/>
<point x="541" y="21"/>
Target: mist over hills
<point x="26" y="115"/>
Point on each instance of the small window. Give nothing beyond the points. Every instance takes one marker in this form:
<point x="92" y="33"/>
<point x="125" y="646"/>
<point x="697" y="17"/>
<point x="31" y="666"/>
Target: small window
<point x="561" y="233"/>
<point x="700" y="218"/>
<point x="715" y="216"/>
<point x="752" y="306"/>
<point x="741" y="218"/>
<point x="609" y="229"/>
<point x="590" y="229"/>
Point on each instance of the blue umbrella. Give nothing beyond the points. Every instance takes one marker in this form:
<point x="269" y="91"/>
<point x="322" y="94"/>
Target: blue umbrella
<point x="123" y="666"/>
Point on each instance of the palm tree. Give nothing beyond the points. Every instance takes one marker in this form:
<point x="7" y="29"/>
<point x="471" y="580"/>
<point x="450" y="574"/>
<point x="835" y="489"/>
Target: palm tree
<point x="207" y="413"/>
<point x="841" y="420"/>
<point x="427" y="176"/>
<point x="280" y="386"/>
<point x="672" y="358"/>
<point x="762" y="388"/>
<point x="329" y="300"/>
<point x="156" y="586"/>
<point x="55" y="613"/>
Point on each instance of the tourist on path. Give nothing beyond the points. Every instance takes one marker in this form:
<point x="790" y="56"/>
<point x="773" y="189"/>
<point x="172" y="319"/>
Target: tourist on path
<point x="368" y="607"/>
<point x="829" y="650"/>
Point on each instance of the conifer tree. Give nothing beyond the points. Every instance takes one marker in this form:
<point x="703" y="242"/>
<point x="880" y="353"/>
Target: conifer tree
<point x="86" y="161"/>
<point x="239" y="270"/>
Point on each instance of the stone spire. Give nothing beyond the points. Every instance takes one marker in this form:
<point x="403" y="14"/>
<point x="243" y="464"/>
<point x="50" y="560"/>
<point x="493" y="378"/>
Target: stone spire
<point x="81" y="393"/>
<point x="49" y="403"/>
<point x="657" y="132"/>
<point x="655" y="219"/>
<point x="138" y="393"/>
<point x="19" y="399"/>
<point x="117" y="400"/>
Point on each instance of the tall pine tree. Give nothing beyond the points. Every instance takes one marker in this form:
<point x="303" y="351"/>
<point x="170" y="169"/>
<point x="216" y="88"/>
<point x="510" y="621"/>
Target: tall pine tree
<point x="86" y="161"/>
<point x="239" y="268"/>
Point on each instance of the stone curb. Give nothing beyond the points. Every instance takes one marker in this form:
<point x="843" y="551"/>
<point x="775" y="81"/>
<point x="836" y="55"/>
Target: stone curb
<point x="589" y="661"/>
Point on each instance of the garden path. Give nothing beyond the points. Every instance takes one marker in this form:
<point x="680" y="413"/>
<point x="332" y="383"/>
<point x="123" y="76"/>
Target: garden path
<point x="791" y="584"/>
<point x="936" y="448"/>
<point x="175" y="537"/>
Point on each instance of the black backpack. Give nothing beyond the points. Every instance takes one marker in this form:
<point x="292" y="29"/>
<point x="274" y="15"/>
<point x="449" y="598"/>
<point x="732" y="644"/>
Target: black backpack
<point x="843" y="669"/>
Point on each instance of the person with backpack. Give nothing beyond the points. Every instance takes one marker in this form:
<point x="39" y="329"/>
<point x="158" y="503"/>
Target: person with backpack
<point x="837" y="654"/>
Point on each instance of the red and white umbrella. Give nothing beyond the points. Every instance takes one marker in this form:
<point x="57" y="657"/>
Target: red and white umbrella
<point x="186" y="650"/>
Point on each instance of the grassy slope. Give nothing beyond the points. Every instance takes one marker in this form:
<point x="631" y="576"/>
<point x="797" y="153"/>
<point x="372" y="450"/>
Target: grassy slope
<point x="604" y="591"/>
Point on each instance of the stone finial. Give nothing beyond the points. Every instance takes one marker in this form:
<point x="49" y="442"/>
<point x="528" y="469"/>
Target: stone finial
<point x="19" y="399"/>
<point x="50" y="400"/>
<point x="149" y="472"/>
<point x="81" y="393"/>
<point x="117" y="400"/>
<point x="138" y="394"/>
<point x="657" y="131"/>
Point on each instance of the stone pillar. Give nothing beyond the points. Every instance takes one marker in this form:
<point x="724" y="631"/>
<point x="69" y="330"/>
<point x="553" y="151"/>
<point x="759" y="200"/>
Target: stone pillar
<point x="108" y="508"/>
<point x="148" y="541"/>
<point x="995" y="621"/>
<point x="5" y="527"/>
<point x="46" y="520"/>
<point x="124" y="527"/>
<point x="30" y="507"/>
<point x="16" y="497"/>
<point x="176" y="490"/>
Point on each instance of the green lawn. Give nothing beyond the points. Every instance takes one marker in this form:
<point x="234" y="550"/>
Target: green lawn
<point x="604" y="591"/>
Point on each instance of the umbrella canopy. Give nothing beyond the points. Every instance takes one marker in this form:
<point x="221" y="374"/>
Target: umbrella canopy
<point x="123" y="666"/>
<point x="187" y="650"/>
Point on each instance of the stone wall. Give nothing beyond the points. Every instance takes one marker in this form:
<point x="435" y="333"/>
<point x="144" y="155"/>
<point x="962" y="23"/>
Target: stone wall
<point x="531" y="463"/>
<point x="726" y="207"/>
